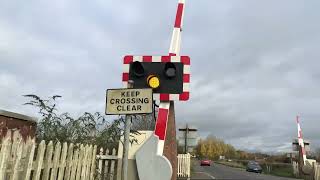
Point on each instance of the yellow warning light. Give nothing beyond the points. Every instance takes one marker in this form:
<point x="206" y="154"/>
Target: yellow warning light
<point x="153" y="81"/>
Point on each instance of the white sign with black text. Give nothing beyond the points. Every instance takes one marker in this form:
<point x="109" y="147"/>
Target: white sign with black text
<point x="129" y="101"/>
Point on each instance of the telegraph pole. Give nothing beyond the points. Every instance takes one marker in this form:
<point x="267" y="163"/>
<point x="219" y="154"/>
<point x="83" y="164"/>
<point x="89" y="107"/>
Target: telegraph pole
<point x="186" y="133"/>
<point x="185" y="139"/>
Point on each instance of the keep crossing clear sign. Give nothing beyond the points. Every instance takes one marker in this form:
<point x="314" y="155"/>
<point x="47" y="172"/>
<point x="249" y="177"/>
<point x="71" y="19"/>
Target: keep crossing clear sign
<point x="129" y="101"/>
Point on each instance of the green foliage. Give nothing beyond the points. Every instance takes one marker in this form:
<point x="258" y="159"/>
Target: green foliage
<point x="232" y="164"/>
<point x="88" y="128"/>
<point x="278" y="169"/>
<point x="145" y="122"/>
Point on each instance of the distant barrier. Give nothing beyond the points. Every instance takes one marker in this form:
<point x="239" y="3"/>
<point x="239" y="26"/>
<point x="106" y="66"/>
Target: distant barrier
<point x="184" y="163"/>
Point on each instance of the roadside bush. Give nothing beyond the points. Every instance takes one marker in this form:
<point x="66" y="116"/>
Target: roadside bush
<point x="89" y="128"/>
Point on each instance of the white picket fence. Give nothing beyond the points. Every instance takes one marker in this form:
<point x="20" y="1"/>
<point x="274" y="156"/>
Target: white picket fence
<point x="316" y="171"/>
<point x="107" y="165"/>
<point x="27" y="160"/>
<point x="184" y="163"/>
<point x="295" y="167"/>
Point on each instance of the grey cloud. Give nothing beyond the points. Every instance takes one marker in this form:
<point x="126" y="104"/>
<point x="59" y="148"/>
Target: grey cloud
<point x="254" y="63"/>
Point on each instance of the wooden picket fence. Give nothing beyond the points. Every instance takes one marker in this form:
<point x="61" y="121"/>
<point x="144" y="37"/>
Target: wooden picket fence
<point x="315" y="175"/>
<point x="184" y="163"/>
<point x="27" y="160"/>
<point x="316" y="167"/>
<point x="107" y="165"/>
<point x="295" y="167"/>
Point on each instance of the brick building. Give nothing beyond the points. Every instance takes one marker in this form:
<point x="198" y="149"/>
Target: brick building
<point x="14" y="121"/>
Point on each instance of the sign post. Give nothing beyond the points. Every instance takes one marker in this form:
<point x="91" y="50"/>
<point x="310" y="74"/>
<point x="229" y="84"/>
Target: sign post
<point x="127" y="102"/>
<point x="127" y="127"/>
<point x="169" y="78"/>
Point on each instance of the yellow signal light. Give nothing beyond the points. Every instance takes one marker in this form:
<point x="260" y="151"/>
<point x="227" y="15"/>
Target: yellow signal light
<point x="153" y="81"/>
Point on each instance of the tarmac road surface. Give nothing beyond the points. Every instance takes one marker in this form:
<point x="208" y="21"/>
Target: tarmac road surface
<point x="218" y="171"/>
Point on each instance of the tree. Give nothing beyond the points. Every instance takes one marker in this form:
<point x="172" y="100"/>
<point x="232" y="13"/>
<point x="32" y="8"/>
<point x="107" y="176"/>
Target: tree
<point x="213" y="147"/>
<point x="145" y="122"/>
<point x="88" y="128"/>
<point x="203" y="149"/>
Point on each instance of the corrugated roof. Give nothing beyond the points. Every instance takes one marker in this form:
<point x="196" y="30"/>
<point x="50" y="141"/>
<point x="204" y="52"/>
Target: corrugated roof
<point x="17" y="116"/>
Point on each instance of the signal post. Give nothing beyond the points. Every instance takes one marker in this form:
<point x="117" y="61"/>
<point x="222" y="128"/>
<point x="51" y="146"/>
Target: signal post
<point x="168" y="76"/>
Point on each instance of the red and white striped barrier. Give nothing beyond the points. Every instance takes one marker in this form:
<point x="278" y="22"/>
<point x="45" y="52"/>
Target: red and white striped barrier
<point x="176" y="35"/>
<point x="150" y="164"/>
<point x="162" y="119"/>
<point x="301" y="143"/>
<point x="161" y="125"/>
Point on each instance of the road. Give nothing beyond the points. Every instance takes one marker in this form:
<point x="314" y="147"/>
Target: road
<point x="218" y="171"/>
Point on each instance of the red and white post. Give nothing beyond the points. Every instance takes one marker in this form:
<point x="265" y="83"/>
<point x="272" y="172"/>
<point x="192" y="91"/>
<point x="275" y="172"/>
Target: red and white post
<point x="162" y="119"/>
<point x="301" y="142"/>
<point x="151" y="163"/>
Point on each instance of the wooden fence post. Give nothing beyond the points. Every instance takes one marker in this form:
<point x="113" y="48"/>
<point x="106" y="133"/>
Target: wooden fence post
<point x="316" y="171"/>
<point x="80" y="162"/>
<point x="100" y="164"/>
<point x="17" y="160"/>
<point x="39" y="160"/>
<point x="56" y="157"/>
<point x="106" y="166"/>
<point x="63" y="161"/>
<point x="112" y="165"/>
<point x="5" y="151"/>
<point x="88" y="162"/>
<point x="69" y="162"/>
<point x="30" y="158"/>
<point x="75" y="163"/>
<point x="48" y="160"/>
<point x="84" y="162"/>
<point x="93" y="163"/>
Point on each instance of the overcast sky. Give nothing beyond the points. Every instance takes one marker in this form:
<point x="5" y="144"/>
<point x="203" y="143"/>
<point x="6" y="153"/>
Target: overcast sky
<point x="255" y="64"/>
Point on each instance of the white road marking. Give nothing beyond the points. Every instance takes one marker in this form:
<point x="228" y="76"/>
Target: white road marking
<point x="207" y="174"/>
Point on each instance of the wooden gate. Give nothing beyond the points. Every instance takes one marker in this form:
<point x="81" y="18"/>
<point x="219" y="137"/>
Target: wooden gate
<point x="184" y="163"/>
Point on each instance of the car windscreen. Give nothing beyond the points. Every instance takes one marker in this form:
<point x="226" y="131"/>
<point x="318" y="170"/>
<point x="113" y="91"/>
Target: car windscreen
<point x="253" y="164"/>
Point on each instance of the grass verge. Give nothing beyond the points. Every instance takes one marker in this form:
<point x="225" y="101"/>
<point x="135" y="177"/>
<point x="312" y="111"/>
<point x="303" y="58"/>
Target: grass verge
<point x="231" y="164"/>
<point x="279" y="170"/>
<point x="282" y="170"/>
